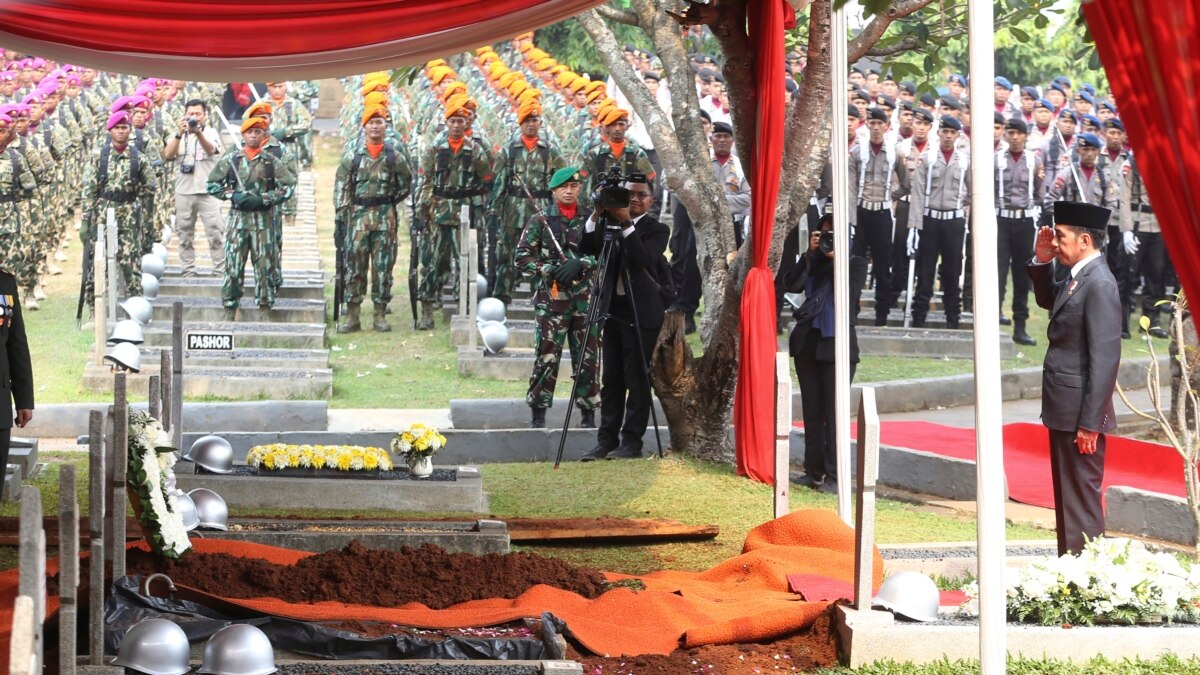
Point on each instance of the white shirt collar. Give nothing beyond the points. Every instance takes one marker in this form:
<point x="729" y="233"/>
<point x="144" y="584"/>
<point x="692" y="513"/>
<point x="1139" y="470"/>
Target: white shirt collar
<point x="1080" y="265"/>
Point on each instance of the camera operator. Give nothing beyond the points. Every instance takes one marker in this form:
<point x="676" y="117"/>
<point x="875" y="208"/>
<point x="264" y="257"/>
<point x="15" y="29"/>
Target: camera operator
<point x="625" y="396"/>
<point x="811" y="344"/>
<point x="197" y="147"/>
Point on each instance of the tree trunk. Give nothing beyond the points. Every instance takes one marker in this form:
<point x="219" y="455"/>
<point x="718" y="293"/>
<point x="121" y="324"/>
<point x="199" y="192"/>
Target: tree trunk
<point x="697" y="416"/>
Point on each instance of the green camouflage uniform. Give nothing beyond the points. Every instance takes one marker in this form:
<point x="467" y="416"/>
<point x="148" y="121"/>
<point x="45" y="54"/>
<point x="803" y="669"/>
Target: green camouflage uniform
<point x="17" y="184"/>
<point x="366" y="196"/>
<point x="251" y="232"/>
<point x="290" y="124"/>
<point x="285" y="155"/>
<point x="35" y="209"/>
<point x="51" y="142"/>
<point x="598" y="159"/>
<point x="449" y="180"/>
<point x="305" y="91"/>
<point x="123" y="190"/>
<point x="560" y="310"/>
<point x="510" y="206"/>
<point x="150" y="146"/>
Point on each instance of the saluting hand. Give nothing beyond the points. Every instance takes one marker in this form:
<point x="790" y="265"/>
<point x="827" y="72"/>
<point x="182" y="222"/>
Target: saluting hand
<point x="1045" y="249"/>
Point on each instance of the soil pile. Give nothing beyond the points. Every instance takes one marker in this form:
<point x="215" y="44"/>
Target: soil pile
<point x="361" y="576"/>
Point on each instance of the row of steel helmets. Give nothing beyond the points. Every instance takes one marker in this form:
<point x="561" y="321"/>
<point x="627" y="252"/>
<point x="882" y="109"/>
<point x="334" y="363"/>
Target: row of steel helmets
<point x="128" y="333"/>
<point x="160" y="647"/>
<point x="203" y="508"/>
<point x="909" y="595"/>
<point x="490" y="319"/>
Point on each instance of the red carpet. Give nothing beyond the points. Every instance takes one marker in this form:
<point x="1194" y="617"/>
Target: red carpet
<point x="1131" y="463"/>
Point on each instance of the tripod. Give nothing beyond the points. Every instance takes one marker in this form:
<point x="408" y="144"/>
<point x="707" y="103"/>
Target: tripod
<point x="597" y="315"/>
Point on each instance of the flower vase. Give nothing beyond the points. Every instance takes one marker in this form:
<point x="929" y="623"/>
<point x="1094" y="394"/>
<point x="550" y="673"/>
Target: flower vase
<point x="420" y="466"/>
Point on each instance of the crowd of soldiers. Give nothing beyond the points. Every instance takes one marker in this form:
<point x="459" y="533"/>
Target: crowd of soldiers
<point x="76" y="143"/>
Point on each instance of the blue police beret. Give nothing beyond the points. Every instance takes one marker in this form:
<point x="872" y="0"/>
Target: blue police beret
<point x="956" y="78"/>
<point x="1002" y="81"/>
<point x="1031" y="92"/>
<point x="1043" y="103"/>
<point x="1059" y="87"/>
<point x="1114" y="123"/>
<point x="1063" y="80"/>
<point x="1093" y="119"/>
<point x="1067" y="112"/>
<point x="1088" y="88"/>
<point x="1090" y="141"/>
<point x="852" y="111"/>
<point x="1083" y="94"/>
<point x="877" y="114"/>
<point x="1109" y="106"/>
<point x="949" y="122"/>
<point x="1017" y="124"/>
<point x="923" y="114"/>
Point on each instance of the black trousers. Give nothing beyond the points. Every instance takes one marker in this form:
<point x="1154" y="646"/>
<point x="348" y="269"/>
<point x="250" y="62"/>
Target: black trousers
<point x="874" y="232"/>
<point x="1150" y="265"/>
<point x="5" y="441"/>
<point x="685" y="270"/>
<point x="817" y="389"/>
<point x="791" y="250"/>
<point x="1078" y="510"/>
<point x="1014" y="248"/>
<point x="900" y="250"/>
<point x="625" y="397"/>
<point x="940" y="239"/>
<point x="1120" y="264"/>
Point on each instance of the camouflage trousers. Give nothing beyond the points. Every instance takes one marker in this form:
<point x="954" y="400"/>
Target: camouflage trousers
<point x="128" y="253"/>
<point x="438" y="256"/>
<point x="15" y="236"/>
<point x="151" y="232"/>
<point x="376" y="250"/>
<point x="255" y="243"/>
<point x="553" y="327"/>
<point x="507" y="275"/>
<point x="276" y="249"/>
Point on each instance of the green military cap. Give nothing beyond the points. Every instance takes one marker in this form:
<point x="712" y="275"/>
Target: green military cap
<point x="563" y="175"/>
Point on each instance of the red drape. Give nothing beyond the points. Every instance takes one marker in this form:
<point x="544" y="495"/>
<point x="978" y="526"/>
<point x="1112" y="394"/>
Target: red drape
<point x="224" y="40"/>
<point x="754" y="405"/>
<point x="1152" y="58"/>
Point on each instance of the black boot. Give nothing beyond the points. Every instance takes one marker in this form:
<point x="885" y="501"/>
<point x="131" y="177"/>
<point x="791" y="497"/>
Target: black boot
<point x="538" y="420"/>
<point x="1019" y="335"/>
<point x="587" y="418"/>
<point x="1125" y="322"/>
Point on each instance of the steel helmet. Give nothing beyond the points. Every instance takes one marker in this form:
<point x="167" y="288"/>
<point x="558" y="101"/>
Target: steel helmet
<point x="154" y="646"/>
<point x="152" y="264"/>
<point x="125" y="355"/>
<point x="213" y="453"/>
<point x="139" y="309"/>
<point x="490" y="309"/>
<point x="211" y="511"/>
<point x="150" y="286"/>
<point x="495" y="336"/>
<point x="238" y="649"/>
<point x="187" y="509"/>
<point x="910" y="595"/>
<point x="159" y="249"/>
<point x="127" y="330"/>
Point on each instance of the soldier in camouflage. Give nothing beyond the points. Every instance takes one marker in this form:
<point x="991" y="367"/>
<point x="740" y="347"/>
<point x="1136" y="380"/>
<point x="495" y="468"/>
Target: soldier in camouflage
<point x="291" y="123"/>
<point x="526" y="163"/>
<point x="17" y="184"/>
<point x="34" y="208"/>
<point x="255" y="182"/>
<point x="371" y="181"/>
<point x="617" y="150"/>
<point x="453" y="171"/>
<point x="117" y="177"/>
<point x="283" y="153"/>
<point x="549" y="253"/>
<point x="145" y="137"/>
<point x="306" y="92"/>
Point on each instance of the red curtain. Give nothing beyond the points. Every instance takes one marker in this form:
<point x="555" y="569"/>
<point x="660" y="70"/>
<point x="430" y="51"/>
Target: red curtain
<point x="1152" y="59"/>
<point x="754" y="405"/>
<point x="223" y="40"/>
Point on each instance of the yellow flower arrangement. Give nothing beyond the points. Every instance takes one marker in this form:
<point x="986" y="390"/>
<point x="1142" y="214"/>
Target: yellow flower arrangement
<point x="341" y="457"/>
<point x="418" y="440"/>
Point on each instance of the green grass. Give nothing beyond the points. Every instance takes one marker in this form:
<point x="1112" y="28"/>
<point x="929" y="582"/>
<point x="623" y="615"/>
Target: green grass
<point x="1168" y="665"/>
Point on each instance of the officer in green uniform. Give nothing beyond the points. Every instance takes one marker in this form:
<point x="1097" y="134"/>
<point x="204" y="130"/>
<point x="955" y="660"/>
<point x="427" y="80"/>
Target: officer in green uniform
<point x="17" y="184"/>
<point x="273" y="146"/>
<point x="453" y="171"/>
<point x="562" y="280"/>
<point x="371" y="181"/>
<point x="526" y="163"/>
<point x="617" y="150"/>
<point x="290" y="124"/>
<point x="117" y="177"/>
<point x="255" y="182"/>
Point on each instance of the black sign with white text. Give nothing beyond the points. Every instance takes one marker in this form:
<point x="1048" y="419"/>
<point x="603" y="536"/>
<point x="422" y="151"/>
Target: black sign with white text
<point x="209" y="341"/>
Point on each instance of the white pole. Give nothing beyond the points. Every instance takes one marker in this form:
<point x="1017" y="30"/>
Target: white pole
<point x="783" y="431"/>
<point x="989" y="464"/>
<point x="838" y="153"/>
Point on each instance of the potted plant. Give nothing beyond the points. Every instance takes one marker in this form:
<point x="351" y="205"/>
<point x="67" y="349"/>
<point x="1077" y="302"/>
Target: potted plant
<point x="417" y="444"/>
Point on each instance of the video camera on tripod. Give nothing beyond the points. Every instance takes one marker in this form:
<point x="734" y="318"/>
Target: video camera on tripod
<point x="610" y="193"/>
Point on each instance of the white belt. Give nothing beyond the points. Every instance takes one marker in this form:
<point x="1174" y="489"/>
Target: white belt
<point x="1017" y="213"/>
<point x="943" y="215"/>
<point x="874" y="206"/>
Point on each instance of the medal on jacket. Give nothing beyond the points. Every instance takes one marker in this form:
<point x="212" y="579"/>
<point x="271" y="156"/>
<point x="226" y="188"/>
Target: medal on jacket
<point x="6" y="303"/>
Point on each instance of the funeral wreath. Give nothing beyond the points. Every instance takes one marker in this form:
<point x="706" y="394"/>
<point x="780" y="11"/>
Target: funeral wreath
<point x="150" y="471"/>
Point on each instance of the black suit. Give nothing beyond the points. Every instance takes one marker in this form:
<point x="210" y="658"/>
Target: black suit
<point x="16" y="372"/>
<point x="625" y="397"/>
<point x="1078" y="379"/>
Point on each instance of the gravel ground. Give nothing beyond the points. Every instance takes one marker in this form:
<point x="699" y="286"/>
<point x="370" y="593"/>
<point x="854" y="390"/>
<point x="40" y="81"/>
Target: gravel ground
<point x="964" y="552"/>
<point x="402" y="668"/>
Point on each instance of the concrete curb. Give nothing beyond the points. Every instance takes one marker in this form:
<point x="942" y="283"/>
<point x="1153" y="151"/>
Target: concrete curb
<point x="1149" y="514"/>
<point x="68" y="420"/>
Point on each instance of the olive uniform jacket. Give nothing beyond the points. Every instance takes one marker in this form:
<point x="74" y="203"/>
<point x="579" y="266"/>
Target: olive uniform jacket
<point x="16" y="371"/>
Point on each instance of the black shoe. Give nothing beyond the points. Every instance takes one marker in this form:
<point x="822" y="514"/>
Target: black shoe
<point x="625" y="452"/>
<point x="1005" y="321"/>
<point x="538" y="419"/>
<point x="918" y="323"/>
<point x="951" y="324"/>
<point x="587" y="419"/>
<point x="829" y="487"/>
<point x="1125" y="335"/>
<point x="810" y="482"/>
<point x="1022" y="338"/>
<point x="1159" y="332"/>
<point x="881" y="320"/>
<point x="598" y="452"/>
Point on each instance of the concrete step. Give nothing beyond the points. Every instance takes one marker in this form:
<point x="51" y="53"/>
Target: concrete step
<point x="209" y="308"/>
<point x="227" y="383"/>
<point x="308" y="287"/>
<point x="247" y="357"/>
<point x="513" y="364"/>
<point x="521" y="310"/>
<point x="933" y="343"/>
<point x="247" y="334"/>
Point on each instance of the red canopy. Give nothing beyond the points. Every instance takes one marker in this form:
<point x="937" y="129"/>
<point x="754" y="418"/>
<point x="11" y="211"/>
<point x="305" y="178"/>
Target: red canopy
<point x="226" y="40"/>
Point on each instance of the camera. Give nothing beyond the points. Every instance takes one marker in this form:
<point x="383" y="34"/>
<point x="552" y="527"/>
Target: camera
<point x="187" y="168"/>
<point x="609" y="192"/>
<point x="825" y="243"/>
<point x="193" y="123"/>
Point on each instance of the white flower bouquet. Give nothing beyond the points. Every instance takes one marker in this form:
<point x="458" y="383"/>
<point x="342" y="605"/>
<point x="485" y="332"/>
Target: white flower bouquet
<point x="418" y="440"/>
<point x="151" y="462"/>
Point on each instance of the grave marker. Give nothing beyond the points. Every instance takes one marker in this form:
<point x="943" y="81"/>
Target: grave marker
<point x="864" y="484"/>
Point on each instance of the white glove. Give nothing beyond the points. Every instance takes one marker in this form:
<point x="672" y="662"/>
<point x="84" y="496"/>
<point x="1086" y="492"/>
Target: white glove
<point x="914" y="241"/>
<point x="1131" y="242"/>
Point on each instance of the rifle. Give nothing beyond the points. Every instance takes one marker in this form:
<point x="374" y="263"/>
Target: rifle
<point x="339" y="246"/>
<point x="414" y="255"/>
<point x="89" y="254"/>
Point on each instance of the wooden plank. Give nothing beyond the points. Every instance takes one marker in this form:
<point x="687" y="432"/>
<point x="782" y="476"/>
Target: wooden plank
<point x="608" y="529"/>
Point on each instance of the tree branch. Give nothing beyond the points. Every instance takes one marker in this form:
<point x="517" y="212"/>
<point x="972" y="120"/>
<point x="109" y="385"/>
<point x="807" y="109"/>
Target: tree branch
<point x="870" y="35"/>
<point x="619" y="15"/>
<point x="907" y="44"/>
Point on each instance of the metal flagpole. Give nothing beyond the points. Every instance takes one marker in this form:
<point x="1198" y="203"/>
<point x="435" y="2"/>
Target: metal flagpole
<point x="839" y="155"/>
<point x="989" y="458"/>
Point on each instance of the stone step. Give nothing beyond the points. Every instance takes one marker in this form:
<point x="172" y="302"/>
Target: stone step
<point x="306" y="287"/>
<point x="209" y="308"/>
<point x="515" y="364"/>
<point x="247" y="334"/>
<point x="521" y="310"/>
<point x="227" y="383"/>
<point x="246" y="357"/>
<point x="933" y="343"/>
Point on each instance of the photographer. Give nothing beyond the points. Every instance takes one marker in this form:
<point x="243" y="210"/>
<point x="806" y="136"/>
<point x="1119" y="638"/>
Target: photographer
<point x="625" y="396"/>
<point x="811" y="344"/>
<point x="197" y="147"/>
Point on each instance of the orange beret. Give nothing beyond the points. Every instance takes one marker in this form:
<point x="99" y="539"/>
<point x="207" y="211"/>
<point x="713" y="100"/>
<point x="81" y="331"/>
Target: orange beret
<point x="254" y="122"/>
<point x="524" y="36"/>
<point x="440" y="73"/>
<point x="517" y="87"/>
<point x="374" y="85"/>
<point x="480" y="51"/>
<point x="578" y="84"/>
<point x="508" y="78"/>
<point x="615" y="115"/>
<point x="528" y="109"/>
<point x="594" y="85"/>
<point x="271" y="83"/>
<point x="259" y="109"/>
<point x="545" y="63"/>
<point x="373" y="111"/>
<point x="525" y="47"/>
<point x="457" y="109"/>
<point x="530" y="94"/>
<point x="375" y="98"/>
<point x="452" y="89"/>
<point x="536" y="54"/>
<point x="594" y="96"/>
<point x="558" y="69"/>
<point x="435" y="63"/>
